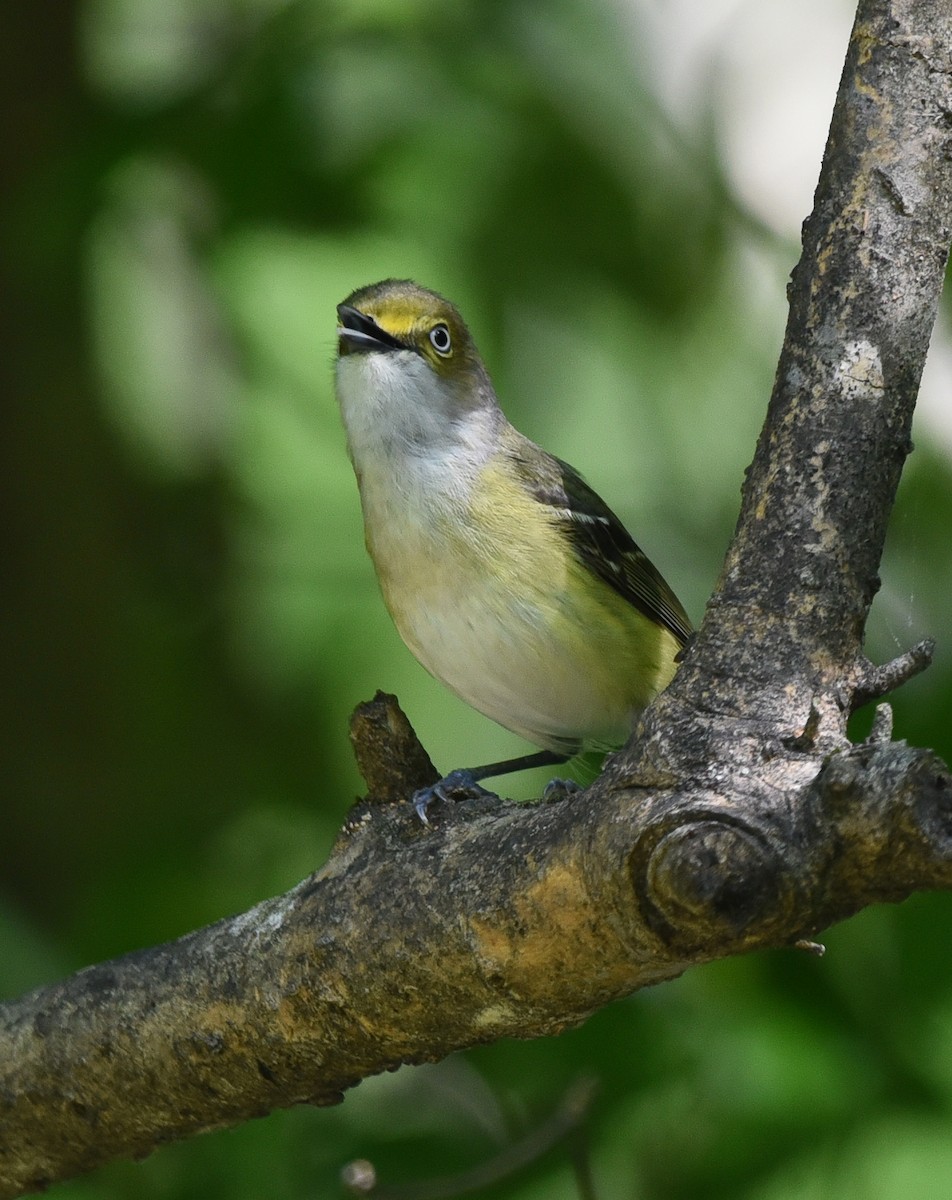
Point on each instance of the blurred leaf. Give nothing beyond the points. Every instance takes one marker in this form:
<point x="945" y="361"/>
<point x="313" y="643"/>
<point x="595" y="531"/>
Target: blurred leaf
<point x="167" y="369"/>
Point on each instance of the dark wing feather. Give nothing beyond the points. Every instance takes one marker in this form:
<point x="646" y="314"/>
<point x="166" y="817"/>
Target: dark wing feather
<point x="601" y="541"/>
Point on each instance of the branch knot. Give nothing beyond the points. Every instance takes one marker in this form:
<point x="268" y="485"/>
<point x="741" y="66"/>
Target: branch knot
<point x="710" y="878"/>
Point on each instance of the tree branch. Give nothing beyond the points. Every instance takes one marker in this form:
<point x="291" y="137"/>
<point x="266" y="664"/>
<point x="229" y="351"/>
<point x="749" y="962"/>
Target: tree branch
<point x="739" y="817"/>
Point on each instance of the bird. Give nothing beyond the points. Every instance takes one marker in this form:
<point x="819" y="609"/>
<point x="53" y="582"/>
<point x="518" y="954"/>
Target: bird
<point x="507" y="576"/>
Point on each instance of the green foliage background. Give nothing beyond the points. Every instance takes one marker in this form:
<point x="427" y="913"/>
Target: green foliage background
<point x="188" y="615"/>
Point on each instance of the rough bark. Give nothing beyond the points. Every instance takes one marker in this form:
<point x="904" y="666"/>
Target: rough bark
<point x="739" y="817"/>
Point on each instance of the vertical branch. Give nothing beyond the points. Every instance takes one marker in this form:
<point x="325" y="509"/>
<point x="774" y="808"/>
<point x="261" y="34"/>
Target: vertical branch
<point x="801" y="572"/>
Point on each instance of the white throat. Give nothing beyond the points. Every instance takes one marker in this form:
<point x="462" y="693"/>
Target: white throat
<point x="406" y="429"/>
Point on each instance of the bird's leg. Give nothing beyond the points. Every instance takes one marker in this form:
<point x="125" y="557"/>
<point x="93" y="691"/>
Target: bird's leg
<point x="464" y="781"/>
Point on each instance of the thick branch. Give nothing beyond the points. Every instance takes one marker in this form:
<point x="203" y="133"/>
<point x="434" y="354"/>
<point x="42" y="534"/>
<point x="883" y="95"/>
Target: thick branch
<point x="412" y="942"/>
<point x="741" y="817"/>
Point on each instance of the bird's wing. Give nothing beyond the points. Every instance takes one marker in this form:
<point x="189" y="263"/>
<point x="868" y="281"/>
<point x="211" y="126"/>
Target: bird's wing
<point x="601" y="541"/>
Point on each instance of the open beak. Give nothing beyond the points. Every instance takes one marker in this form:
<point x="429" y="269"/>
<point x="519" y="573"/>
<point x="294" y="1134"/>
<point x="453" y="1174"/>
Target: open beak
<point x="358" y="334"/>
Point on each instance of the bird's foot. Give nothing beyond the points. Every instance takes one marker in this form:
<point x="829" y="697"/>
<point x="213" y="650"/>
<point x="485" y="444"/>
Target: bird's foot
<point x="460" y="784"/>
<point x="559" y="789"/>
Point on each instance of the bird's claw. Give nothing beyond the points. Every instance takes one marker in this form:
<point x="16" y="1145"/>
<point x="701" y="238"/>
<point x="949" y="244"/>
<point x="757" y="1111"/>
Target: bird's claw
<point x="558" y="789"/>
<point x="460" y="784"/>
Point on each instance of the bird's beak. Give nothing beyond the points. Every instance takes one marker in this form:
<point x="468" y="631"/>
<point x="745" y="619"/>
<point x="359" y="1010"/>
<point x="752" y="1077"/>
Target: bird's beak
<point x="358" y="334"/>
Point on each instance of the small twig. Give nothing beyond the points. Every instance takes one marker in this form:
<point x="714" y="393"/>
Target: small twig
<point x="881" y="730"/>
<point x="390" y="758"/>
<point x="359" y="1178"/>
<point x="878" y="681"/>
<point x="582" y="1164"/>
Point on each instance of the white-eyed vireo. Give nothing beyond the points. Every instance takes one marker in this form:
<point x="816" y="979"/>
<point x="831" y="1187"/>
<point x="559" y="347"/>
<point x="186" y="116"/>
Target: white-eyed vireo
<point x="508" y="578"/>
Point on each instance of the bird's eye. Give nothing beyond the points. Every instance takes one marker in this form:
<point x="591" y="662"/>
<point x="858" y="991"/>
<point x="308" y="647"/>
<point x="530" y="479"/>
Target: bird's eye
<point x="440" y="339"/>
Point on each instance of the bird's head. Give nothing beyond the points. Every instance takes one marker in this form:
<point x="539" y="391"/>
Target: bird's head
<point x="398" y="316"/>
